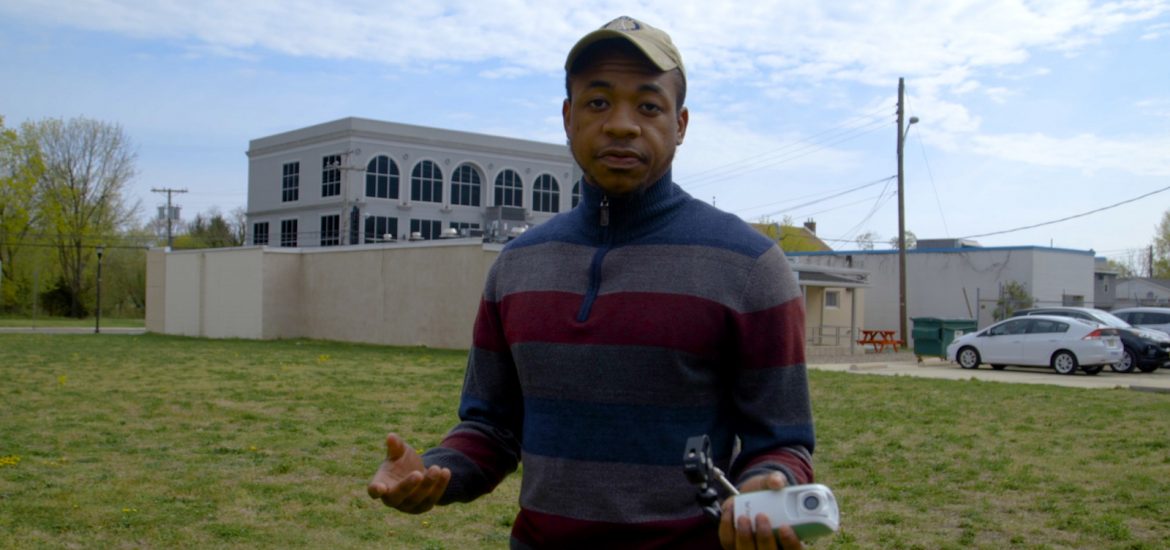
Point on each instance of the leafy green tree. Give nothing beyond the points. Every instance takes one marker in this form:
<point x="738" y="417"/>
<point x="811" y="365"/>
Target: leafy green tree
<point x="1161" y="267"/>
<point x="20" y="168"/>
<point x="1012" y="298"/>
<point x="87" y="165"/>
<point x="210" y="231"/>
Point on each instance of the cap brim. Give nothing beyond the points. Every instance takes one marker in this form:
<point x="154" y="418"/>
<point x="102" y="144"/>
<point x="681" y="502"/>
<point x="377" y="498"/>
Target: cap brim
<point x="647" y="47"/>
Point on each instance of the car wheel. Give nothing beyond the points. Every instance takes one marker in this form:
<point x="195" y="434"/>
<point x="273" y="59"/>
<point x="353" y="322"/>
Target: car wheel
<point x="1093" y="369"/>
<point x="968" y="358"/>
<point x="1128" y="360"/>
<point x="1151" y="367"/>
<point x="999" y="367"/>
<point x="1064" y="362"/>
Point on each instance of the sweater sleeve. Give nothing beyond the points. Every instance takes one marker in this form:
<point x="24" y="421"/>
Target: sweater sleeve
<point x="771" y="396"/>
<point x="484" y="447"/>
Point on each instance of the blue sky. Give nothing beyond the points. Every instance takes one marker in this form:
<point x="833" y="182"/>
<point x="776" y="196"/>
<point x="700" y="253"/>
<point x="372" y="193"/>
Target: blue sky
<point x="1030" y="111"/>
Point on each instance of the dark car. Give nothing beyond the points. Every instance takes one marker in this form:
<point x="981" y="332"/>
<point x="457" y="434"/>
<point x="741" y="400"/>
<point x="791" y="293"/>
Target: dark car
<point x="1145" y="349"/>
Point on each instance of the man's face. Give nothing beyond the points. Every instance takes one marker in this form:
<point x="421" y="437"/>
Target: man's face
<point x="623" y="123"/>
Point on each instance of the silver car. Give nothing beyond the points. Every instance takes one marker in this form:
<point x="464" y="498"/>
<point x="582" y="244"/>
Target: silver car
<point x="1157" y="318"/>
<point x="1063" y="343"/>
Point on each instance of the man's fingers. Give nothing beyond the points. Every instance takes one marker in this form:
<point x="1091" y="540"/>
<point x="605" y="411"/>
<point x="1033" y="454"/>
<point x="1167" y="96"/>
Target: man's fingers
<point x="395" y="447"/>
<point x="788" y="539"/>
<point x="765" y="539"/>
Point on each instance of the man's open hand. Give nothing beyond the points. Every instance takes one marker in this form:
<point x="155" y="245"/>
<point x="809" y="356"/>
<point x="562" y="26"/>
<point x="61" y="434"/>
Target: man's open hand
<point x="402" y="482"/>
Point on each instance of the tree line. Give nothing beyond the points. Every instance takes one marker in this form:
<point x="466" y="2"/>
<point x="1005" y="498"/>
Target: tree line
<point x="63" y="198"/>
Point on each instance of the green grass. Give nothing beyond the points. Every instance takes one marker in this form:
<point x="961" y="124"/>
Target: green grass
<point x="112" y="441"/>
<point x="9" y="321"/>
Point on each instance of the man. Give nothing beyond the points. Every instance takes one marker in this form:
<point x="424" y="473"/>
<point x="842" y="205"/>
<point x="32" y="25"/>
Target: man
<point x="610" y="334"/>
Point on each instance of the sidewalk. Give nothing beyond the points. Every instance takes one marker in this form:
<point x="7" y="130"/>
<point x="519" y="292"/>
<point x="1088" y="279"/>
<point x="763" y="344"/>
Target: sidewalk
<point x="905" y="364"/>
<point x="71" y="330"/>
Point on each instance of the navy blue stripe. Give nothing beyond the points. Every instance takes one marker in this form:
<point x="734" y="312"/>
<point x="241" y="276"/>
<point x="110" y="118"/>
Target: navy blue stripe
<point x="634" y="434"/>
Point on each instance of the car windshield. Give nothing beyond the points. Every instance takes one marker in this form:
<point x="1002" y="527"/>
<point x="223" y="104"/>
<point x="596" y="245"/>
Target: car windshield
<point x="1112" y="320"/>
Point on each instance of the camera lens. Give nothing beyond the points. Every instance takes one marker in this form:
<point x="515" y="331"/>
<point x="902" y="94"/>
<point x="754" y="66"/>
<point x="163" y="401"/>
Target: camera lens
<point x="811" y="502"/>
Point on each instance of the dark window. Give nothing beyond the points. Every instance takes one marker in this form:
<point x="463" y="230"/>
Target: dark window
<point x="509" y="189"/>
<point x="380" y="229"/>
<point x="546" y="194"/>
<point x="331" y="230"/>
<point x="465" y="186"/>
<point x="288" y="232"/>
<point x="1017" y="326"/>
<point x="426" y="182"/>
<point x="427" y="229"/>
<point x="290" y="182"/>
<point x="382" y="178"/>
<point x="463" y="228"/>
<point x="331" y="175"/>
<point x="576" y="194"/>
<point x="260" y="233"/>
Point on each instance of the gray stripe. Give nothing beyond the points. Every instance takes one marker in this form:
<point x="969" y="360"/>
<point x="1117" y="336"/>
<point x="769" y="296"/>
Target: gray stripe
<point x="610" y="492"/>
<point x="701" y="271"/>
<point x="488" y="375"/>
<point x="772" y="282"/>
<point x="615" y="374"/>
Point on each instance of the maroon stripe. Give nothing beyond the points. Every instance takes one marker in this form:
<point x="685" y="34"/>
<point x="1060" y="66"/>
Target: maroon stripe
<point x="772" y="337"/>
<point x="487" y="334"/>
<point x="550" y="531"/>
<point x="800" y="468"/>
<point x="673" y="321"/>
<point x="476" y="448"/>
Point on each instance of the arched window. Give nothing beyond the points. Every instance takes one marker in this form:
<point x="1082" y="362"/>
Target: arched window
<point x="465" y="186"/>
<point x="426" y="182"/>
<point x="576" y="193"/>
<point x="509" y="189"/>
<point x="546" y="194"/>
<point x="382" y="178"/>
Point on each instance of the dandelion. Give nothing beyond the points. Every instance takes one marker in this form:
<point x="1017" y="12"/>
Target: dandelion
<point x="61" y="380"/>
<point x="323" y="358"/>
<point x="426" y="523"/>
<point x="129" y="510"/>
<point x="12" y="460"/>
<point x="253" y="448"/>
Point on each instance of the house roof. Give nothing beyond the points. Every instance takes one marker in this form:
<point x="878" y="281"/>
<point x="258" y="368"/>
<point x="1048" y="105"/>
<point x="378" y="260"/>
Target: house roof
<point x="966" y="250"/>
<point x="792" y="238"/>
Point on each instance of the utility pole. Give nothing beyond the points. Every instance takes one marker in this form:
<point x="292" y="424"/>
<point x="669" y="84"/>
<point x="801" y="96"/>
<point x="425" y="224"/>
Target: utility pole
<point x="902" y="336"/>
<point x="170" y="212"/>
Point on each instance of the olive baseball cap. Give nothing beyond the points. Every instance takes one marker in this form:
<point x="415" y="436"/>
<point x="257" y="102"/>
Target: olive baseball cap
<point x="652" y="42"/>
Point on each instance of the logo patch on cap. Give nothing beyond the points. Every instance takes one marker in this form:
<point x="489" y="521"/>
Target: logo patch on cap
<point x="623" y="23"/>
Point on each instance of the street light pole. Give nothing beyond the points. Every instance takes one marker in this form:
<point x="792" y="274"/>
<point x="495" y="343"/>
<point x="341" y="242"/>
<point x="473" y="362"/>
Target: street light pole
<point x="902" y="336"/>
<point x="97" y="327"/>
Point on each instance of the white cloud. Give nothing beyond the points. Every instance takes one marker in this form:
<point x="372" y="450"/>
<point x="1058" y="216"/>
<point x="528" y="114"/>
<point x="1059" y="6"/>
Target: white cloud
<point x="1085" y="152"/>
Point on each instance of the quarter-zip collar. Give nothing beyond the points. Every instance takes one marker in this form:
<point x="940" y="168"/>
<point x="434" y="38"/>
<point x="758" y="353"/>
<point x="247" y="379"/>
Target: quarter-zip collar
<point x="619" y="219"/>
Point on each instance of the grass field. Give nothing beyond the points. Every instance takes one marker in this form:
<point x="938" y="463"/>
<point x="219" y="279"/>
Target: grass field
<point x="113" y="441"/>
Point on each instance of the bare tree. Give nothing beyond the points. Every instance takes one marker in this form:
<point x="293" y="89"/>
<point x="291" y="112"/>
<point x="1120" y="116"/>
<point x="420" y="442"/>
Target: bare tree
<point x="87" y="165"/>
<point x="865" y="240"/>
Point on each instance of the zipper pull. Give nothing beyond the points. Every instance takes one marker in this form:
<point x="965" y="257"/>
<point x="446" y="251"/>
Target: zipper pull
<point x="604" y="211"/>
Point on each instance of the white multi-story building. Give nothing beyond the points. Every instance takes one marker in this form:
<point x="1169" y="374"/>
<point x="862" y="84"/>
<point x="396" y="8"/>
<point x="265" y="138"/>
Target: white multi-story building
<point x="356" y="181"/>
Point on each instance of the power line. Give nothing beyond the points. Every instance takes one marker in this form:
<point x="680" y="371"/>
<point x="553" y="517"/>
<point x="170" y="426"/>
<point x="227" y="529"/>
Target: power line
<point x="1074" y="216"/>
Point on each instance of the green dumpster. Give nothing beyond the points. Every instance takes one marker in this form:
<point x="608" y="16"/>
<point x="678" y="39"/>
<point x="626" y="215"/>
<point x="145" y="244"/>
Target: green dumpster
<point x="932" y="335"/>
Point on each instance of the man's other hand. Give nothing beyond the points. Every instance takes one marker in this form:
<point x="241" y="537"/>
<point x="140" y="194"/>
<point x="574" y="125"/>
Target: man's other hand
<point x="403" y="483"/>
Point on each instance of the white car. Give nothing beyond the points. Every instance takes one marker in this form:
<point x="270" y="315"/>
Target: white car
<point x="1064" y="343"/>
<point x="1157" y="318"/>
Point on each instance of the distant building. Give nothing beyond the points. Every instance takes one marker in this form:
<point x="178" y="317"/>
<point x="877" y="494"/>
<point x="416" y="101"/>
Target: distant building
<point x="963" y="281"/>
<point x="1143" y="291"/>
<point x="357" y="181"/>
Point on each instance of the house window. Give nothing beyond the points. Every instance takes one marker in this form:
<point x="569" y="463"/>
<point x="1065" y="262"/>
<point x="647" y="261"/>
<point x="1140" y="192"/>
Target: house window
<point x="380" y="229"/>
<point x="1073" y="300"/>
<point x="509" y="189"/>
<point x="576" y="194"/>
<point x="833" y="299"/>
<point x="331" y="230"/>
<point x="427" y="229"/>
<point x="260" y="233"/>
<point x="288" y="232"/>
<point x="426" y="182"/>
<point x="546" y="194"/>
<point x="382" y="178"/>
<point x="331" y="175"/>
<point x="290" y="182"/>
<point x="465" y="186"/>
<point x="463" y="228"/>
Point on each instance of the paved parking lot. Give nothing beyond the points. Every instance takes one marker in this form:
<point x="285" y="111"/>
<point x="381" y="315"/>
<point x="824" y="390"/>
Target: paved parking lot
<point x="1157" y="381"/>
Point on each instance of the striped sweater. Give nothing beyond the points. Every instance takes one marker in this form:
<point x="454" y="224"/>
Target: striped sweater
<point x="605" y="338"/>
